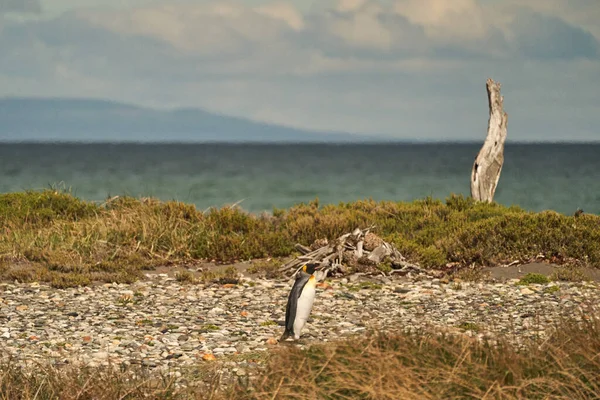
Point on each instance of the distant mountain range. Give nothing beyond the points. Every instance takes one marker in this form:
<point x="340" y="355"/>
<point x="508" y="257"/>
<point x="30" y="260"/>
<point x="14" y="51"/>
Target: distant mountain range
<point x="88" y="120"/>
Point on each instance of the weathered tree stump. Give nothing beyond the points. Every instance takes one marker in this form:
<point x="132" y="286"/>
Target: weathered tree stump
<point x="489" y="161"/>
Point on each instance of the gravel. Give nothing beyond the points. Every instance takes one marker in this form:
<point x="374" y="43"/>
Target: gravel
<point x="162" y="324"/>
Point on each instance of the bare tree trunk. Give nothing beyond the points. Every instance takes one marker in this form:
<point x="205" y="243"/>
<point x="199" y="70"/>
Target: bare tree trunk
<point x="489" y="161"/>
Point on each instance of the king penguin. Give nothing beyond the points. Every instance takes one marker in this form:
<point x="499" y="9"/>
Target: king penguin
<point x="300" y="302"/>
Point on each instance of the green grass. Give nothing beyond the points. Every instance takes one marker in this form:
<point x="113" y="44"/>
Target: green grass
<point x="55" y="237"/>
<point x="533" y="278"/>
<point x="209" y="328"/>
<point x="469" y="326"/>
<point x="551" y="289"/>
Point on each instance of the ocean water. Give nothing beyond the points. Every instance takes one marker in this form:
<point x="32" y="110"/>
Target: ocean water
<point x="536" y="177"/>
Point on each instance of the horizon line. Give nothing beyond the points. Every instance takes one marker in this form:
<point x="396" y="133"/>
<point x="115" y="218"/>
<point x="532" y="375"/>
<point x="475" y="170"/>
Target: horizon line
<point x="291" y="142"/>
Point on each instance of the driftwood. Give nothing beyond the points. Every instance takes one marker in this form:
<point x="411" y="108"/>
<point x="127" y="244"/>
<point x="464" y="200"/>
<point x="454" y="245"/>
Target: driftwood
<point x="489" y="161"/>
<point x="360" y="249"/>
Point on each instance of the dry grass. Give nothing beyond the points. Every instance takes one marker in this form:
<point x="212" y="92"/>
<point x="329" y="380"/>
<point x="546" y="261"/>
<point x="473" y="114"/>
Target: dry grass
<point x="428" y="366"/>
<point x="52" y="236"/>
<point x="69" y="383"/>
<point x="266" y="268"/>
<point x="420" y="365"/>
<point x="570" y="275"/>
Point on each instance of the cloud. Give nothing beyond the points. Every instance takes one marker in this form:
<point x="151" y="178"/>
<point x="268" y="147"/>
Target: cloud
<point x="358" y="24"/>
<point x="215" y="29"/>
<point x="368" y="29"/>
<point x="446" y="20"/>
<point x="20" y="6"/>
<point x="584" y="14"/>
<point x="284" y="12"/>
<point x="404" y="68"/>
<point x="544" y="37"/>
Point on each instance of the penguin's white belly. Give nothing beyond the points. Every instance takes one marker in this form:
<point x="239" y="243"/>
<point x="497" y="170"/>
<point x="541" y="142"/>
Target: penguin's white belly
<point x="304" y="307"/>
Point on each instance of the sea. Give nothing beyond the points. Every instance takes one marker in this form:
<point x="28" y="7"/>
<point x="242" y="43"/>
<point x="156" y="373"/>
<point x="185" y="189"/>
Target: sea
<point x="261" y="177"/>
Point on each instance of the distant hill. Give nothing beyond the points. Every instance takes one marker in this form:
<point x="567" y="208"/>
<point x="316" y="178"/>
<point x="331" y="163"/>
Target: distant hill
<point x="87" y="120"/>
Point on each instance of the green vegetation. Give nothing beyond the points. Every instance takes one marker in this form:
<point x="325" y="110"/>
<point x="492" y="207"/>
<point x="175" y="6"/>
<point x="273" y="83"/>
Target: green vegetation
<point x="385" y="266"/>
<point x="569" y="275"/>
<point x="54" y="237"/>
<point x="209" y="328"/>
<point x="185" y="277"/>
<point x="551" y="289"/>
<point x="470" y="326"/>
<point x="532" y="277"/>
<point x="267" y="268"/>
<point x="228" y="275"/>
<point x="418" y="365"/>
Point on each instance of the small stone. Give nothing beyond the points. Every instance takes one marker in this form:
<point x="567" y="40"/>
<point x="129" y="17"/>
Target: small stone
<point x="323" y="285"/>
<point x="101" y="355"/>
<point x="272" y="341"/>
<point x="216" y="310"/>
<point x="183" y="338"/>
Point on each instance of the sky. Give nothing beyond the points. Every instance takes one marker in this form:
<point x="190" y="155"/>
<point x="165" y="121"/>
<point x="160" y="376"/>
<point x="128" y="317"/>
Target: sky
<point x="405" y="69"/>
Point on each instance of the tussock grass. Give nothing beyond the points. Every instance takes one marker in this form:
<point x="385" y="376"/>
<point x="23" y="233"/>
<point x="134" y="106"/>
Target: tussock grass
<point x="53" y="236"/>
<point x="99" y="383"/>
<point x="430" y="366"/>
<point x="418" y="365"/>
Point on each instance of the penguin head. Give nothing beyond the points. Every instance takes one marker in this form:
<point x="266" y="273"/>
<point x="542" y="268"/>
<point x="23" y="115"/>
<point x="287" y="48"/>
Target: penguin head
<point x="310" y="268"/>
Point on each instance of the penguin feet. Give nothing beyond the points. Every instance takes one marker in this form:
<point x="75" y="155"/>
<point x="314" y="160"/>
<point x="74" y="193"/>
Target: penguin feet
<point x="287" y="341"/>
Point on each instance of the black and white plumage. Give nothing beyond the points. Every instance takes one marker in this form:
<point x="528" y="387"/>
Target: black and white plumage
<point x="300" y="302"/>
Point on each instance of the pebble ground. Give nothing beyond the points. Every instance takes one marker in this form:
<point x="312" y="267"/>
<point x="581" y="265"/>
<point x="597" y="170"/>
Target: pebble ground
<point x="163" y="324"/>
